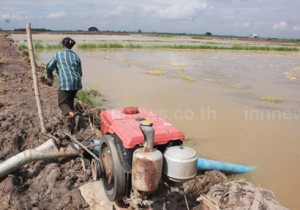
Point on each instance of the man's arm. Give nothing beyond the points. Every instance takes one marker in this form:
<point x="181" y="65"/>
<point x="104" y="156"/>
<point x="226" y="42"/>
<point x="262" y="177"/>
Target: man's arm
<point x="80" y="67"/>
<point x="51" y="66"/>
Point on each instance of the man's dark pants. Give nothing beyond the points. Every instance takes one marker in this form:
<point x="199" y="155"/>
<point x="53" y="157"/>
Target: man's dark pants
<point x="66" y="100"/>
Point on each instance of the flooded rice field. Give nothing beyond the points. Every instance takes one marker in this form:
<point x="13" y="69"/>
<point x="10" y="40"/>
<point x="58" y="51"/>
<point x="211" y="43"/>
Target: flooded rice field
<point x="233" y="106"/>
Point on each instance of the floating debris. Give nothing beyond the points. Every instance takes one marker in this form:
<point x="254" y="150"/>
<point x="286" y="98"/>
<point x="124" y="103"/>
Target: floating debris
<point x="178" y="64"/>
<point x="156" y="72"/>
<point x="274" y="99"/>
<point x="190" y="79"/>
<point x="293" y="74"/>
<point x="209" y="80"/>
<point x="181" y="71"/>
<point x="236" y="86"/>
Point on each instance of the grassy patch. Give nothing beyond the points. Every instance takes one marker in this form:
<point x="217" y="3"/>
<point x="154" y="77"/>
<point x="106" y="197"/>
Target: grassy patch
<point x="236" y="178"/>
<point x="89" y="97"/>
<point x="52" y="47"/>
<point x="235" y="86"/>
<point x="23" y="47"/>
<point x="273" y="99"/>
<point x="189" y="79"/>
<point x="208" y="45"/>
<point x="108" y="45"/>
<point x="39" y="46"/>
<point x="102" y="45"/>
<point x="262" y="48"/>
<point x="133" y="46"/>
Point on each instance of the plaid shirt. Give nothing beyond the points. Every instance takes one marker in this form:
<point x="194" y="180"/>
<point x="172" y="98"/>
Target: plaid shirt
<point x="68" y="66"/>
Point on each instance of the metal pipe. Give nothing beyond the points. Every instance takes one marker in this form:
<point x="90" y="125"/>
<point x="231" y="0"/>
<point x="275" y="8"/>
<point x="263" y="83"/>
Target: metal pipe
<point x="81" y="145"/>
<point x="47" y="150"/>
<point x="231" y="168"/>
<point x="148" y="132"/>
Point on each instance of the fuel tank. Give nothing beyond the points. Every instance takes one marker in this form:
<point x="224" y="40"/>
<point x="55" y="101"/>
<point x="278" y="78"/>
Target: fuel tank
<point x="125" y="123"/>
<point x="146" y="169"/>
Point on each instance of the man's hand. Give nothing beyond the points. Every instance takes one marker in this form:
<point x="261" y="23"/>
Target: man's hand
<point x="50" y="79"/>
<point x="47" y="80"/>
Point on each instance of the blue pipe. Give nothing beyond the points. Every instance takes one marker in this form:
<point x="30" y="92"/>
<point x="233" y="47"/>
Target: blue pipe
<point x="96" y="149"/>
<point x="231" y="168"/>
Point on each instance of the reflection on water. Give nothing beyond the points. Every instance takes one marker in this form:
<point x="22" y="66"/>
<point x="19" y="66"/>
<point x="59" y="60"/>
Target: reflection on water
<point x="213" y="97"/>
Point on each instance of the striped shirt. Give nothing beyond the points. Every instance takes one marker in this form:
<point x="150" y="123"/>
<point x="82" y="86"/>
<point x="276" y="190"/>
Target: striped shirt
<point x="68" y="67"/>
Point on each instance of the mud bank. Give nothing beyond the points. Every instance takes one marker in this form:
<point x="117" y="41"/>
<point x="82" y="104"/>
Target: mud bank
<point x="43" y="184"/>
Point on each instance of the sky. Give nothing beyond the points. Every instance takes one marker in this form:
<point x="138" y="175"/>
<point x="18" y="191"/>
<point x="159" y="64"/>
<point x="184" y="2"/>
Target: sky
<point x="267" y="18"/>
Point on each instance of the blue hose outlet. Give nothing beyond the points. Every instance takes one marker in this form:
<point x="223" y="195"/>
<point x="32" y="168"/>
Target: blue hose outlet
<point x="205" y="164"/>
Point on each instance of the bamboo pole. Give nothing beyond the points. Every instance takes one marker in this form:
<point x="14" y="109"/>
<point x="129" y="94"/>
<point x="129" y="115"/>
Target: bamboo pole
<point x="34" y="76"/>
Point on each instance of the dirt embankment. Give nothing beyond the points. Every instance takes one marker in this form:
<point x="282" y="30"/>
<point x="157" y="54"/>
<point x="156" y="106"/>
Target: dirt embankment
<point x="48" y="184"/>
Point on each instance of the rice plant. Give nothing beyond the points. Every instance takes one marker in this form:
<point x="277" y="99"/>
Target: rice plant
<point x="133" y="46"/>
<point x="274" y="99"/>
<point x="89" y="98"/>
<point x="38" y="45"/>
<point x="52" y="47"/>
<point x="23" y="47"/>
<point x="208" y="46"/>
<point x="189" y="79"/>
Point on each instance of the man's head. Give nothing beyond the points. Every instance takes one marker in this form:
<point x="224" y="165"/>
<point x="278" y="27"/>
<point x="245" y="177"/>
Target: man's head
<point x="68" y="42"/>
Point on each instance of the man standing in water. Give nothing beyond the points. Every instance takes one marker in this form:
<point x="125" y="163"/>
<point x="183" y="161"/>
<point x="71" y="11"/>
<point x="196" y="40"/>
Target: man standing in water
<point x="68" y="68"/>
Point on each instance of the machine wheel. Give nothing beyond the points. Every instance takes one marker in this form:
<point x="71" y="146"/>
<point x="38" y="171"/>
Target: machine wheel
<point x="97" y="169"/>
<point x="113" y="175"/>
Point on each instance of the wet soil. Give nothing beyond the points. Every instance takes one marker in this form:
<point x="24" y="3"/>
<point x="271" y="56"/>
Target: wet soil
<point x="51" y="184"/>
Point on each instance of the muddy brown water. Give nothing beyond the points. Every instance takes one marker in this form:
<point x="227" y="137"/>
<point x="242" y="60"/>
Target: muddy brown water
<point x="213" y="97"/>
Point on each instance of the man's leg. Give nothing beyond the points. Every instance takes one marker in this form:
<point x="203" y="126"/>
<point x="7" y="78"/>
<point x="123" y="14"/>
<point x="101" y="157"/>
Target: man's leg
<point x="66" y="102"/>
<point x="66" y="105"/>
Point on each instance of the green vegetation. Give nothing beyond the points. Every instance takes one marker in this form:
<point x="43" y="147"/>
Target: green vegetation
<point x="93" y="29"/>
<point x="232" y="47"/>
<point x="23" y="47"/>
<point x="108" y="46"/>
<point x="102" y="45"/>
<point x="235" y="86"/>
<point x="274" y="99"/>
<point x="52" y="47"/>
<point x="188" y="78"/>
<point x="33" y="29"/>
<point x="236" y="178"/>
<point x="209" y="46"/>
<point x="133" y="46"/>
<point x="90" y="98"/>
<point x="39" y="46"/>
<point x="263" y="48"/>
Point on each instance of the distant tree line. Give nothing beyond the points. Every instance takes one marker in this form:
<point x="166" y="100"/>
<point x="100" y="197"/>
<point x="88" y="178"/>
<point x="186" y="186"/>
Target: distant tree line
<point x="33" y="29"/>
<point x="93" y="29"/>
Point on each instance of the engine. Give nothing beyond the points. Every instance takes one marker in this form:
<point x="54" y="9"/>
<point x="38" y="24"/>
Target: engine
<point x="137" y="151"/>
